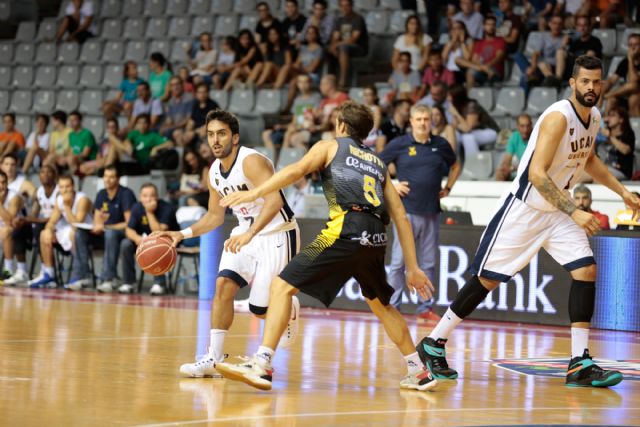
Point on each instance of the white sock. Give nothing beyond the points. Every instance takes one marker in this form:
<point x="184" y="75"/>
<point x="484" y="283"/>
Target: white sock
<point x="414" y="364"/>
<point x="447" y="324"/>
<point x="579" y="341"/>
<point x="8" y="265"/>
<point x="48" y="269"/>
<point x="22" y="266"/>
<point x="265" y="355"/>
<point x="216" y="342"/>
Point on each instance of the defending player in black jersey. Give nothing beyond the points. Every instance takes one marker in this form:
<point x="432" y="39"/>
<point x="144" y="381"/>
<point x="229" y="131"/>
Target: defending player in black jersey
<point x="361" y="198"/>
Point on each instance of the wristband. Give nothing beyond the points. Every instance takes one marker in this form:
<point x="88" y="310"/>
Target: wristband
<point x="187" y="232"/>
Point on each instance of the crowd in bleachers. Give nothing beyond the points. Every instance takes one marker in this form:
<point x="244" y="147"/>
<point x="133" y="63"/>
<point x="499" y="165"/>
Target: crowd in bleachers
<point x="129" y="83"/>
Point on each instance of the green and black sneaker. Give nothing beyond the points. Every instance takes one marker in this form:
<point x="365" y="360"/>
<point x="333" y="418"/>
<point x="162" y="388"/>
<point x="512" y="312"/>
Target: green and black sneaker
<point x="433" y="355"/>
<point x="583" y="372"/>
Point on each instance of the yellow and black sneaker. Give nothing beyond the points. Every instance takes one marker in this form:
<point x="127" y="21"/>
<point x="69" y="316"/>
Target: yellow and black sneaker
<point x="583" y="372"/>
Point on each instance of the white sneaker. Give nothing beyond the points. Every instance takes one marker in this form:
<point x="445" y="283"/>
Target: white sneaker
<point x="421" y="380"/>
<point x="249" y="372"/>
<point x="289" y="335"/>
<point x="105" y="287"/>
<point x="125" y="288"/>
<point x="19" y="278"/>
<point x="157" y="289"/>
<point x="205" y="367"/>
<point x="77" y="284"/>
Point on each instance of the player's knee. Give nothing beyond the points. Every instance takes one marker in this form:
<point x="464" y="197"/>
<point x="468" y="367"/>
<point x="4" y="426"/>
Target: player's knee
<point x="46" y="237"/>
<point x="280" y="288"/>
<point x="587" y="273"/>
<point x="257" y="310"/>
<point x="226" y="289"/>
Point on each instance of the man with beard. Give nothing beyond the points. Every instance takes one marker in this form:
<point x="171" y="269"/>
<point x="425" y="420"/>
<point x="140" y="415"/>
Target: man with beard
<point x="538" y="212"/>
<point x="266" y="238"/>
<point x="487" y="59"/>
<point x="582" y="196"/>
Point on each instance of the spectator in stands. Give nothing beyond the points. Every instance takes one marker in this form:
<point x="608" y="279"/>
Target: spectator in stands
<point x="538" y="12"/>
<point x="278" y="61"/>
<point x="349" y="40"/>
<point x="149" y="214"/>
<point x="123" y="102"/>
<point x="11" y="139"/>
<point x="584" y="44"/>
<point x="370" y="99"/>
<point x="59" y="141"/>
<point x="112" y="210"/>
<point x="295" y="195"/>
<point x="510" y="26"/>
<point x="606" y="12"/>
<point x="145" y="104"/>
<point x="225" y="62"/>
<point x="159" y="76"/>
<point x="143" y="143"/>
<point x="249" y="61"/>
<point x="205" y="152"/>
<point x="629" y="71"/>
<point x="441" y="127"/>
<point x="37" y="144"/>
<point x="11" y="204"/>
<point x="618" y="147"/>
<point x="486" y="63"/>
<point x="439" y="95"/>
<point x="178" y="111"/>
<point x="69" y="227"/>
<point x="320" y="19"/>
<point x="414" y="41"/>
<point x="82" y="143"/>
<point x="194" y="187"/>
<point x="195" y="129"/>
<point x="308" y="62"/>
<point x="472" y="19"/>
<point x="583" y="200"/>
<point x="292" y="25"/>
<point x="516" y="145"/>
<point x="396" y="125"/>
<point x="475" y="125"/>
<point x="77" y="22"/>
<point x="203" y="64"/>
<point x="265" y="21"/>
<point x="435" y="72"/>
<point x="459" y="45"/>
<point x="405" y="83"/>
<point x="111" y="151"/>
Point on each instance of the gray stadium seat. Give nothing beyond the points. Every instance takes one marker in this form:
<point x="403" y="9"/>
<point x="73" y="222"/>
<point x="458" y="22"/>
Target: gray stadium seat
<point x="398" y="19"/>
<point x="46" y="53"/>
<point x="134" y="28"/>
<point x="608" y="38"/>
<point x="242" y="101"/>
<point x="113" y="51"/>
<point x="566" y="93"/>
<point x="45" y="76"/>
<point x="4" y="100"/>
<point x="274" y="6"/>
<point x="290" y="155"/>
<point x="143" y="70"/>
<point x="365" y="5"/>
<point x="202" y="24"/>
<point x="221" y="97"/>
<point x="162" y="46"/>
<point x="355" y="93"/>
<point x="156" y="28"/>
<point x="635" y="125"/>
<point x="200" y="7"/>
<point x="484" y="96"/>
<point x="155" y="7"/>
<point x="68" y="52"/>
<point x="177" y="7"/>
<point x="23" y="76"/>
<point x="136" y="51"/>
<point x="112" y="29"/>
<point x="248" y="20"/>
<point x="178" y="52"/>
<point x="377" y="22"/>
<point x="113" y="75"/>
<point x="91" y="76"/>
<point x="269" y="153"/>
<point x="67" y="100"/>
<point x="91" y="101"/>
<point x="68" y="76"/>
<point x="6" y="52"/>
<point x="95" y="124"/>
<point x="540" y="98"/>
<point x="226" y="25"/>
<point x="21" y="101"/>
<point x="510" y="101"/>
<point x="24" y="123"/>
<point x="44" y="101"/>
<point x="390" y="4"/>
<point x="221" y="6"/>
<point x="478" y="166"/>
<point x="26" y="32"/>
<point x="246" y="6"/>
<point x="132" y="7"/>
<point x="268" y="101"/>
<point x="534" y="42"/>
<point x="110" y="8"/>
<point x="92" y="51"/>
<point x="514" y="76"/>
<point x="5" y="77"/>
<point x="5" y="10"/>
<point x="615" y="61"/>
<point x="24" y="53"/>
<point x="47" y="30"/>
<point x="179" y="26"/>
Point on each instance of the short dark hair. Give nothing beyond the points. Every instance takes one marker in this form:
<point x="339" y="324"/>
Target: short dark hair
<point x="76" y="113"/>
<point x="407" y="54"/>
<point x="145" y="116"/>
<point x="490" y="18"/>
<point x="398" y="102"/>
<point x="149" y="185"/>
<point x="10" y="156"/>
<point x="112" y="167"/>
<point x="263" y="3"/>
<point x="67" y="177"/>
<point x="225" y="117"/>
<point x="292" y="1"/>
<point x="633" y="36"/>
<point x="159" y="58"/>
<point x="44" y="117"/>
<point x="59" y="115"/>
<point x="587" y="62"/>
<point x="145" y="84"/>
<point x="322" y="3"/>
<point x="112" y="120"/>
<point x="201" y="84"/>
<point x="51" y="167"/>
<point x="357" y="118"/>
<point x="11" y="115"/>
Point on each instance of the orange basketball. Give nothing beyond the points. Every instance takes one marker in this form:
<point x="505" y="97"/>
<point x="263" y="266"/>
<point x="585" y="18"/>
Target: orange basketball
<point x="155" y="255"/>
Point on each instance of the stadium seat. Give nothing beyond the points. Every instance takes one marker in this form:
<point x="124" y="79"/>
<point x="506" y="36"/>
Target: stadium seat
<point x="4" y="100"/>
<point x="540" y="98"/>
<point x="221" y="97"/>
<point x="91" y="101"/>
<point x="143" y="70"/>
<point x="24" y="123"/>
<point x="615" y="61"/>
<point x="67" y="100"/>
<point x="91" y="51"/>
<point x="274" y="6"/>
<point x="46" y="53"/>
<point x="377" y="22"/>
<point x="533" y="44"/>
<point x="200" y="7"/>
<point x="44" y="101"/>
<point x="390" y="4"/>
<point x="355" y="93"/>
<point x="68" y="76"/>
<point x="95" y="124"/>
<point x="248" y="20"/>
<point x="110" y="8"/>
<point x="155" y="8"/>
<point x="635" y="125"/>
<point x="290" y="155"/>
<point x="246" y="6"/>
<point x="47" y="30"/>
<point x="510" y="101"/>
<point x="478" y="166"/>
<point x="26" y="32"/>
<point x="6" y="52"/>
<point x="162" y="46"/>
<point x="179" y="27"/>
<point x="222" y="6"/>
<point x="68" y="52"/>
<point x="566" y="94"/>
<point x="91" y="76"/>
<point x="398" y="19"/>
<point x="23" y="76"/>
<point x="45" y="76"/>
<point x="484" y="96"/>
<point x="24" y="53"/>
<point x="177" y="7"/>
<point x="136" y="50"/>
<point x="113" y="75"/>
<point x="112" y="29"/>
<point x="21" y="101"/>
<point x="365" y="5"/>
<point x="178" y="51"/>
<point x="157" y="28"/>
<point x="132" y="8"/>
<point x="226" y="25"/>
<point x="381" y="47"/>
<point x="269" y="153"/>
<point x="5" y="77"/>
<point x="134" y="28"/>
<point x="113" y="51"/>
<point x="202" y="24"/>
<point x="608" y="38"/>
<point x="242" y="101"/>
<point x="268" y="101"/>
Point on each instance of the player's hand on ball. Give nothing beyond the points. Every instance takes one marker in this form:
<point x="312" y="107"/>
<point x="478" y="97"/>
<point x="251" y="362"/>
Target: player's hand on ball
<point x="632" y="202"/>
<point x="238" y="198"/>
<point x="235" y="243"/>
<point x="175" y="236"/>
<point x="418" y="281"/>
<point x="587" y="221"/>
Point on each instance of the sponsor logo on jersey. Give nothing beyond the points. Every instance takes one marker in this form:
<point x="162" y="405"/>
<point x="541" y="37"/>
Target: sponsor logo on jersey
<point x="557" y="368"/>
<point x="571" y="131"/>
<point x="376" y="239"/>
<point x="412" y="151"/>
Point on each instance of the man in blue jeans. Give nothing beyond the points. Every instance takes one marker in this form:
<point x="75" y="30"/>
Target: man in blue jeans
<point x="112" y="211"/>
<point x="421" y="161"/>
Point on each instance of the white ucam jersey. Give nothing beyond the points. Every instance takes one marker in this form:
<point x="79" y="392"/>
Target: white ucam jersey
<point x="46" y="203"/>
<point x="572" y="153"/>
<point x="88" y="219"/>
<point x="234" y="180"/>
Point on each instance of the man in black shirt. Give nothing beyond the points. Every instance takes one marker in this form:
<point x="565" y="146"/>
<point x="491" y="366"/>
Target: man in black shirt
<point x="196" y="130"/>
<point x="395" y="126"/>
<point x="584" y="44"/>
<point x="292" y="25"/>
<point x="265" y="22"/>
<point x="631" y="77"/>
<point x="349" y="40"/>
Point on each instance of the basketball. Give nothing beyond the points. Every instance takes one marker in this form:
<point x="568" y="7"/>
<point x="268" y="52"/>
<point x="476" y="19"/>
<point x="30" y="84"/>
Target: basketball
<point x="155" y="255"/>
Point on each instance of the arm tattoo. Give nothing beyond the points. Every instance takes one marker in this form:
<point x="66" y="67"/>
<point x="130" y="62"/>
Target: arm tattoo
<point x="550" y="191"/>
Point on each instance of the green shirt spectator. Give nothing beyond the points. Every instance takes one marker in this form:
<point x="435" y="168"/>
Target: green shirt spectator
<point x="143" y="143"/>
<point x="516" y="145"/>
<point x="81" y="140"/>
<point x="159" y="76"/>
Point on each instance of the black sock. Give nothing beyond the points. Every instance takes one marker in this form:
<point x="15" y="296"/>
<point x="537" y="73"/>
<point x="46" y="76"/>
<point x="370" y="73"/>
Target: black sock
<point x="469" y="297"/>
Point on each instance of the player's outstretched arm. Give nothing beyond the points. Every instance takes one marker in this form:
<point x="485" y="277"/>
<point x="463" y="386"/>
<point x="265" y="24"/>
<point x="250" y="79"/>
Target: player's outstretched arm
<point x="600" y="173"/>
<point x="552" y="130"/>
<point x="314" y="160"/>
<point x="416" y="279"/>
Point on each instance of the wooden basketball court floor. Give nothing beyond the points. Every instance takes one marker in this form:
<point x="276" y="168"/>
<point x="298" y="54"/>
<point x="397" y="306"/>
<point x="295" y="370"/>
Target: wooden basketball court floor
<point x="106" y="360"/>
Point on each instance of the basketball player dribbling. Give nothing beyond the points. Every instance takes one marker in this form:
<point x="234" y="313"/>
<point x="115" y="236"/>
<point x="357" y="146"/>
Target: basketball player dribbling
<point x="538" y="212"/>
